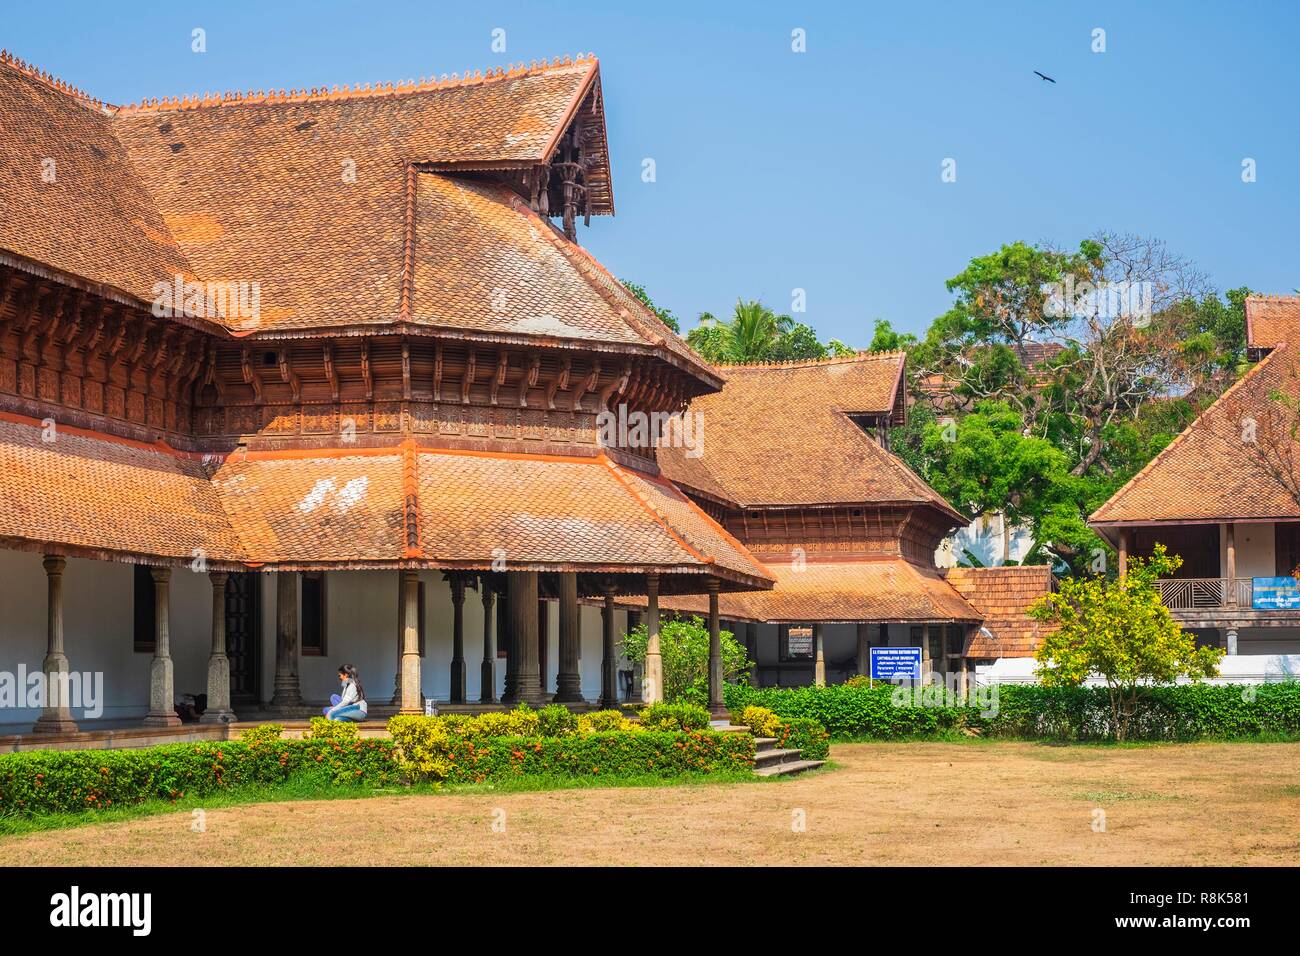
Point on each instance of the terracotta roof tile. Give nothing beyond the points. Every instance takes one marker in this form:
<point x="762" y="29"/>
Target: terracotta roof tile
<point x="1001" y="596"/>
<point x="71" y="198"/>
<point x="1209" y="472"/>
<point x="115" y="497"/>
<point x="782" y="435"/>
<point x="1272" y="320"/>
<point x="362" y="508"/>
<point x="886" y="589"/>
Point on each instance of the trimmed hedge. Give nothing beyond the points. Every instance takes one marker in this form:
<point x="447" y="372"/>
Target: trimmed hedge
<point x="428" y="751"/>
<point x="1030" y="711"/>
<point x="70" y="781"/>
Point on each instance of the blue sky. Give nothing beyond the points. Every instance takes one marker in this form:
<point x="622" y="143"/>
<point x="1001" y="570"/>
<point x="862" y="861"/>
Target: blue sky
<point x="819" y="170"/>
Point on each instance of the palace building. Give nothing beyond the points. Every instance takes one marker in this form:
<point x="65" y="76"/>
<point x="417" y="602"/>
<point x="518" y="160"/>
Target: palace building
<point x="1225" y="497"/>
<point x="289" y="379"/>
<point x="797" y="467"/>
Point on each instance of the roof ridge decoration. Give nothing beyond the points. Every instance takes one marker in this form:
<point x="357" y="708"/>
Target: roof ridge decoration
<point x="360" y="91"/>
<point x="858" y="356"/>
<point x="53" y="82"/>
<point x="1181" y="437"/>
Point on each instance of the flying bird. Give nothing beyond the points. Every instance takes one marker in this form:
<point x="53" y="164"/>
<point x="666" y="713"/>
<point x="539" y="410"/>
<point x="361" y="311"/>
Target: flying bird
<point x="1044" y="76"/>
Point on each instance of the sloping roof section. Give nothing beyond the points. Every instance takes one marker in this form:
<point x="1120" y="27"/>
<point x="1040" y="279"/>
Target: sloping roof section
<point x="887" y="589"/>
<point x="1001" y="596"/>
<point x="484" y="262"/>
<point x="1236" y="461"/>
<point x="782" y="435"/>
<point x="1272" y="320"/>
<point x="586" y="514"/>
<point x="111" y="498"/>
<point x="360" y="508"/>
<point x="70" y="197"/>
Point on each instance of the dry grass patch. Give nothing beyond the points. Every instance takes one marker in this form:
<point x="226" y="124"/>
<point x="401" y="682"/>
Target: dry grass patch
<point x="909" y="803"/>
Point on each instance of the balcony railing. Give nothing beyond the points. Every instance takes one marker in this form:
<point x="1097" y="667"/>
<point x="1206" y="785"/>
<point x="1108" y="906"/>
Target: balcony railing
<point x="1201" y="594"/>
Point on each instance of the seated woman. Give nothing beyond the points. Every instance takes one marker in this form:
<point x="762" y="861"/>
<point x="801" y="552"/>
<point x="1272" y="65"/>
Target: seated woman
<point x="351" y="704"/>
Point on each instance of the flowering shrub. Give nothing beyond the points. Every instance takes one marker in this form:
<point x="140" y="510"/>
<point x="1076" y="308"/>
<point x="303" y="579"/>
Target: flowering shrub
<point x="54" y="781"/>
<point x="763" y="722"/>
<point x="427" y="751"/>
<point x="556" y="720"/>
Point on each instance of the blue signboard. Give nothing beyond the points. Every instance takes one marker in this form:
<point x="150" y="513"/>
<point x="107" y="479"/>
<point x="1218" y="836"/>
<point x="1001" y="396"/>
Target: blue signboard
<point x="1275" y="594"/>
<point x="890" y="662"/>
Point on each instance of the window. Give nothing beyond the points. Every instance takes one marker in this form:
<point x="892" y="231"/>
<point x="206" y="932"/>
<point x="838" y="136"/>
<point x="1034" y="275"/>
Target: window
<point x="143" y="611"/>
<point x="313" y="614"/>
<point x="796" y="642"/>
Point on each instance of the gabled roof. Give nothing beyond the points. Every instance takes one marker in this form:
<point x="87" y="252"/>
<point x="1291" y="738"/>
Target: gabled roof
<point x="1218" y="467"/>
<point x="339" y="205"/>
<point x="1002" y="595"/>
<point x="1272" y="320"/>
<point x="782" y="435"/>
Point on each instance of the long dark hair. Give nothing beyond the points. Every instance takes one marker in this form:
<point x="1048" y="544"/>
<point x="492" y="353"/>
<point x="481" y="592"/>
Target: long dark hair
<point x="350" y="672"/>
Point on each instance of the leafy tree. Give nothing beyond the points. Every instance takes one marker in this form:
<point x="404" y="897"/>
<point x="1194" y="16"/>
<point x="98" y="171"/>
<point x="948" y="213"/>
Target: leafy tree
<point x="985" y="462"/>
<point x="1121" y="631"/>
<point x="684" y="645"/>
<point x="885" y="339"/>
<point x="665" y="315"/>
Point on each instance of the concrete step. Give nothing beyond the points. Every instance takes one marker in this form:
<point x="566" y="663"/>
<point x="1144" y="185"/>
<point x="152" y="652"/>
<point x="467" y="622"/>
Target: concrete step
<point x="786" y="769"/>
<point x="764" y="743"/>
<point x="766" y="758"/>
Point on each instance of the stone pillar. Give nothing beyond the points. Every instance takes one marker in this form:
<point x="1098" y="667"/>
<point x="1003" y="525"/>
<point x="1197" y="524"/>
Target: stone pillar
<point x="522" y="603"/>
<point x="457" y="640"/>
<point x="717" y="708"/>
<point x="488" y="669"/>
<point x="412" y="699"/>
<point x="927" y="665"/>
<point x="1232" y="642"/>
<point x="1123" y="553"/>
<point x="218" y="710"/>
<point x="162" y="689"/>
<point x="652" y="682"/>
<point x="568" y="681"/>
<point x="287" y="692"/>
<point x="751" y="651"/>
<point x="56" y="714"/>
<point x="819" y="657"/>
<point x="608" y="654"/>
<point x="864" y="649"/>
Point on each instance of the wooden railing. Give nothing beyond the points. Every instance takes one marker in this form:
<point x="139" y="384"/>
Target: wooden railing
<point x="1197" y="594"/>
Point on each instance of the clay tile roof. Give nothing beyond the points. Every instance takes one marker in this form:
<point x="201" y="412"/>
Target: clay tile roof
<point x="486" y="263"/>
<point x="1272" y="320"/>
<point x="476" y="508"/>
<point x="885" y="589"/>
<point x="360" y="508"/>
<point x="782" y="435"/>
<point x="1001" y="595"/>
<point x="71" y="198"/>
<point x="113" y="498"/>
<point x="1208" y="472"/>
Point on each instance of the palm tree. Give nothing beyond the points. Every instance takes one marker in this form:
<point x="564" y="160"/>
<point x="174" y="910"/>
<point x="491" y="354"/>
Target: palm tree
<point x="750" y="336"/>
